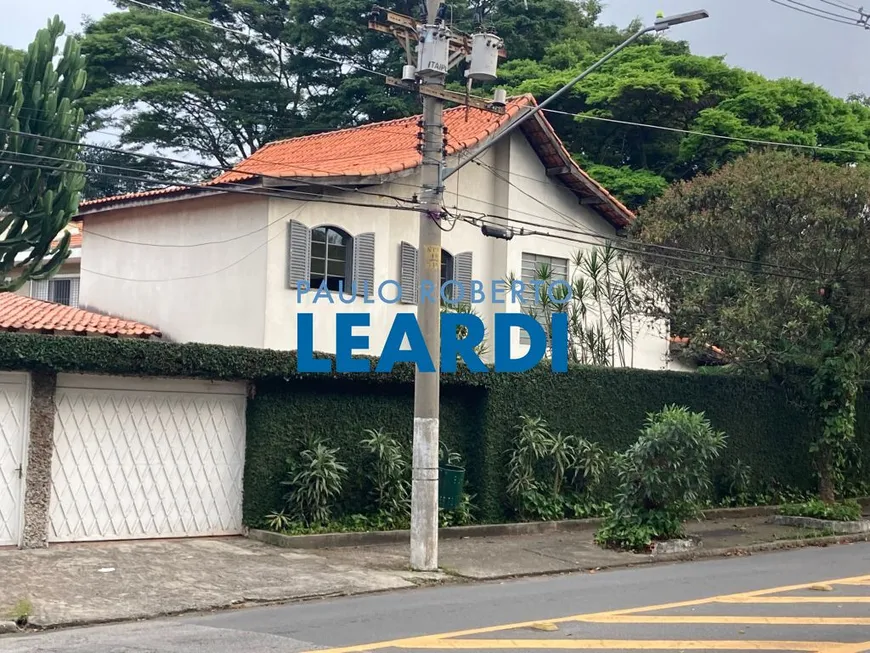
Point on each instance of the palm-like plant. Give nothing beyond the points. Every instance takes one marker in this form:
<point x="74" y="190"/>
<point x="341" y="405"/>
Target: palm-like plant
<point x="391" y="486"/>
<point x="601" y="310"/>
<point x="315" y="478"/>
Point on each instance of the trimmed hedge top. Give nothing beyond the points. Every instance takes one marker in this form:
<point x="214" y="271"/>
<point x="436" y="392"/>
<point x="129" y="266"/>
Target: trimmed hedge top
<point x="135" y="357"/>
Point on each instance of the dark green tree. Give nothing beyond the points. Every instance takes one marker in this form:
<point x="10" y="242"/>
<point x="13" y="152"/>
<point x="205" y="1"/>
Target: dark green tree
<point x="659" y="82"/>
<point x="222" y="95"/>
<point x="791" y="300"/>
<point x="40" y="181"/>
<point x="111" y="172"/>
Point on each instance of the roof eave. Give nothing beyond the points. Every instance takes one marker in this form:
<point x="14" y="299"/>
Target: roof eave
<point x="102" y="207"/>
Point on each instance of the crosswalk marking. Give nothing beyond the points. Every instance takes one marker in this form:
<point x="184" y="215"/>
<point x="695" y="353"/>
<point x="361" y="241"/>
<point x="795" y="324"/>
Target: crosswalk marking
<point x="458" y="640"/>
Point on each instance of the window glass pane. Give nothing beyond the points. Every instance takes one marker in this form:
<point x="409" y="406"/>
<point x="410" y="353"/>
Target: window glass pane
<point x="318" y="235"/>
<point x="336" y="252"/>
<point x="335" y="237"/>
<point x="335" y="268"/>
<point x="318" y="250"/>
<point x="318" y="267"/>
<point x="60" y="291"/>
<point x="316" y="280"/>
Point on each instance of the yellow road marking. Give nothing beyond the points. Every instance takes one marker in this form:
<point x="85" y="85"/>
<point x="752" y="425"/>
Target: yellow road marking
<point x="847" y="648"/>
<point x="412" y="642"/>
<point x="622" y="644"/>
<point x="730" y="619"/>
<point x="794" y="599"/>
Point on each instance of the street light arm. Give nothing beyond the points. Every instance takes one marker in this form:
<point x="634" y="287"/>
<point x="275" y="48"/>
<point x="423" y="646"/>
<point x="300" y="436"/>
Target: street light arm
<point x="510" y="128"/>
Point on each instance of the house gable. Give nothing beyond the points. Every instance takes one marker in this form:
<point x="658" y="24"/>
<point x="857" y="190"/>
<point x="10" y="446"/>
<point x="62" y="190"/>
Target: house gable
<point x="378" y="153"/>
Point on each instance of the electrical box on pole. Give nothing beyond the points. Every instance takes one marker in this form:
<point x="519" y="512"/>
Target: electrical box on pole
<point x="438" y="49"/>
<point x="433" y="50"/>
<point x="483" y="62"/>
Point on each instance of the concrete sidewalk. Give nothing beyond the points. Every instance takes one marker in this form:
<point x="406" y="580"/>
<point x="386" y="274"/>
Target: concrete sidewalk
<point x="68" y="585"/>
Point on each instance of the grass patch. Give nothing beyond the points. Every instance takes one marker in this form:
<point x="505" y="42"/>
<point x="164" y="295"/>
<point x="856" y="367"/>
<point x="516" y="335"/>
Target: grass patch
<point x="21" y="612"/>
<point x="848" y="510"/>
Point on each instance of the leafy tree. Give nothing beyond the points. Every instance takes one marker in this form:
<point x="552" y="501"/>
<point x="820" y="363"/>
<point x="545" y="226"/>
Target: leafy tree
<point x="660" y="82"/>
<point x="38" y="98"/>
<point x="189" y="86"/>
<point x="112" y="173"/>
<point x="791" y="301"/>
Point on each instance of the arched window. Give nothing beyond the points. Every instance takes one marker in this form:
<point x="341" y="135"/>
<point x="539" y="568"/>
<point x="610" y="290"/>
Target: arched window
<point x="331" y="258"/>
<point x="447" y="272"/>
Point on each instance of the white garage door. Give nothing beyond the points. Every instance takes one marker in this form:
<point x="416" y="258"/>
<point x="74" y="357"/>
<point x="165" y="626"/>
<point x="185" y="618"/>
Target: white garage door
<point x="139" y="458"/>
<point x="13" y="416"/>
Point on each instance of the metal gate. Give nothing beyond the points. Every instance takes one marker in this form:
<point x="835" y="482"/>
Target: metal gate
<point x="14" y="402"/>
<point x="146" y="458"/>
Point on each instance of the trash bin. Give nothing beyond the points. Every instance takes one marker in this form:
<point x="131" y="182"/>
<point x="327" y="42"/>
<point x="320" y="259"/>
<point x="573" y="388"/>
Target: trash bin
<point x="451" y="478"/>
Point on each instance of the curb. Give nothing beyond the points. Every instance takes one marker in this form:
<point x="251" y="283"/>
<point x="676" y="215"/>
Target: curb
<point x="370" y="538"/>
<point x="688" y="556"/>
<point x="837" y="527"/>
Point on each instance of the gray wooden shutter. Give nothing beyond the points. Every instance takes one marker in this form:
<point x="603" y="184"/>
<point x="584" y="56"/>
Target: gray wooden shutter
<point x="462" y="274"/>
<point x="39" y="290"/>
<point x="298" y="253"/>
<point x="364" y="264"/>
<point x="408" y="272"/>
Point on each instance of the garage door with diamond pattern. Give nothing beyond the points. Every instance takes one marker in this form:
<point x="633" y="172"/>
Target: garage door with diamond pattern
<point x="146" y="458"/>
<point x="13" y="413"/>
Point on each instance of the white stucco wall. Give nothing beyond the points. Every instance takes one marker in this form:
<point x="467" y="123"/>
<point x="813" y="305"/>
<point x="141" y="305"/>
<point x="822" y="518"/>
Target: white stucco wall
<point x="235" y="291"/>
<point x="472" y="188"/>
<point x="195" y="269"/>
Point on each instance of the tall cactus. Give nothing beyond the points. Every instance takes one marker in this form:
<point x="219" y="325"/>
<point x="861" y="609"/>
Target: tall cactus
<point x="40" y="180"/>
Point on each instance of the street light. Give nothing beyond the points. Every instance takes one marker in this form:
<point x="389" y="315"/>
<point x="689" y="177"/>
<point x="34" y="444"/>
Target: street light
<point x="660" y="25"/>
<point x="678" y="19"/>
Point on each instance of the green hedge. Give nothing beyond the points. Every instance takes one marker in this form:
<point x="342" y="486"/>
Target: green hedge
<point x="139" y="357"/>
<point x="283" y="413"/>
<point x="479" y="411"/>
<point x="607" y="406"/>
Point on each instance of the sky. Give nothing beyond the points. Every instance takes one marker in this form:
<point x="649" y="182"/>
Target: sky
<point x="757" y="35"/>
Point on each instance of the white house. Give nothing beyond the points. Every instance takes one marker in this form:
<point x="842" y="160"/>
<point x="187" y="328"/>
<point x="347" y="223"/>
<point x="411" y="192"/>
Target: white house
<point x="219" y="263"/>
<point x="63" y="287"/>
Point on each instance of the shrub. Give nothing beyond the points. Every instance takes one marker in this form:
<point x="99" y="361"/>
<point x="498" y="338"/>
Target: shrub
<point x="315" y="477"/>
<point x="848" y="510"/>
<point x="548" y="473"/>
<point x="662" y="479"/>
<point x="389" y="478"/>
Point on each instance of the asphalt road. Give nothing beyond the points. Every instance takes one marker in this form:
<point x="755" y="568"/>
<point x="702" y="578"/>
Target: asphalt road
<point x="763" y="602"/>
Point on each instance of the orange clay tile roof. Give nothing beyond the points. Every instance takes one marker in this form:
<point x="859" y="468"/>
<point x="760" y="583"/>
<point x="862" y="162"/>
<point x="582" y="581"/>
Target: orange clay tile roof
<point x="19" y="313"/>
<point x="75" y="240"/>
<point x="384" y="148"/>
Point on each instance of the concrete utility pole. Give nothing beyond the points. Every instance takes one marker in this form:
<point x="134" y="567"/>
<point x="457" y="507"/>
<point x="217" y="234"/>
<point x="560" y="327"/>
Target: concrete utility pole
<point x="427" y="385"/>
<point x="438" y="50"/>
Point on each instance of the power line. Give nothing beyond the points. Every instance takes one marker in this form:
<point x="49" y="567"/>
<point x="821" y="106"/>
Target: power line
<point x="154" y="157"/>
<point x="195" y="276"/>
<point x="571" y="228"/>
<point x="842" y="5"/>
<point x="755" y="141"/>
<point x="259" y="38"/>
<point x="821" y="11"/>
<point x="815" y="15"/>
<point x="289" y="194"/>
<point x="629" y="250"/>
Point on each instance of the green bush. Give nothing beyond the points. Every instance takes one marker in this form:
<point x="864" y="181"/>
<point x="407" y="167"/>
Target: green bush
<point x="389" y="474"/>
<point x="548" y="473"/>
<point x="663" y="478"/>
<point x="848" y="510"/>
<point x="314" y="477"/>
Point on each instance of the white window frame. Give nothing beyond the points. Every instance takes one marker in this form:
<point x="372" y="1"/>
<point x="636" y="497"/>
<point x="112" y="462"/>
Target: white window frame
<point x="74" y="292"/>
<point x="530" y="298"/>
